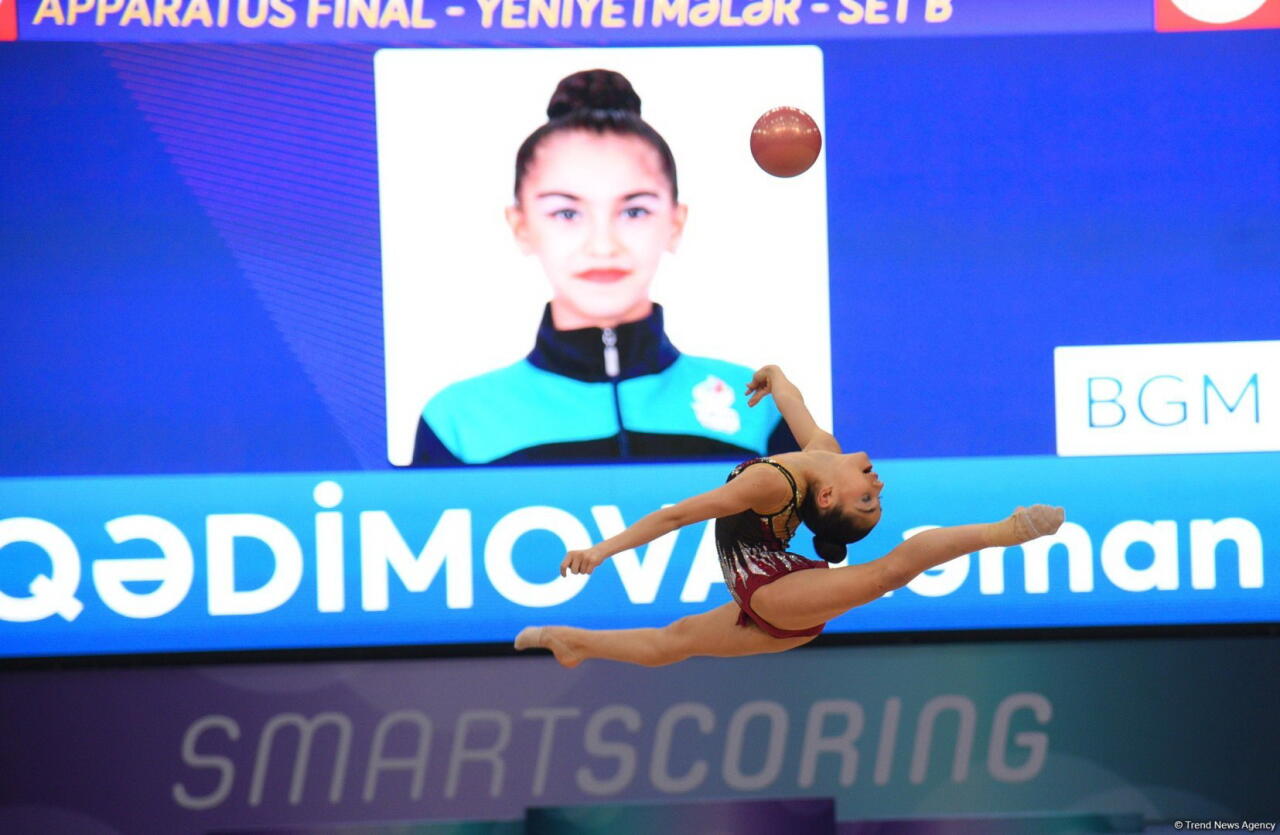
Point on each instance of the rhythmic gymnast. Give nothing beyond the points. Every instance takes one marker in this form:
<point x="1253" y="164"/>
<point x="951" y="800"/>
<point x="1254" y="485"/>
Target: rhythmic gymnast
<point x="779" y="602"/>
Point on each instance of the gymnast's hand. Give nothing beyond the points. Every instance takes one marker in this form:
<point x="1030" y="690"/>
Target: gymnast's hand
<point x="581" y="562"/>
<point x="761" y="384"/>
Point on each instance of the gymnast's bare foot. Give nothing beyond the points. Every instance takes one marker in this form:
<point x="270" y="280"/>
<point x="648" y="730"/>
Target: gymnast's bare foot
<point x="545" y="637"/>
<point x="1026" y="524"/>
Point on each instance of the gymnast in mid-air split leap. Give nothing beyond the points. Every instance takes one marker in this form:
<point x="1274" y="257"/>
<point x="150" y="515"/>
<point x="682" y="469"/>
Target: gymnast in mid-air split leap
<point x="779" y="600"/>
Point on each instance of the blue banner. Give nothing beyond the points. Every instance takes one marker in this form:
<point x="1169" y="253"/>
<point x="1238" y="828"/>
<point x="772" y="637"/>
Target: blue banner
<point x="142" y="564"/>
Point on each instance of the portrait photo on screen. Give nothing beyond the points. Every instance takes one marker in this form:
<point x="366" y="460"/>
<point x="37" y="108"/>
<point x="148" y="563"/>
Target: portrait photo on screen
<point x="582" y="260"/>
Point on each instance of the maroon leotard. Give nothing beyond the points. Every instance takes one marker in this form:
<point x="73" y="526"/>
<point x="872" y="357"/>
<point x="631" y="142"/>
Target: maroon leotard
<point x="753" y="552"/>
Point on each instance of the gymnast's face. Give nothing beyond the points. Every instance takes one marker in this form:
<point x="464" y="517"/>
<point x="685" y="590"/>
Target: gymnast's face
<point x="856" y="488"/>
<point x="597" y="211"/>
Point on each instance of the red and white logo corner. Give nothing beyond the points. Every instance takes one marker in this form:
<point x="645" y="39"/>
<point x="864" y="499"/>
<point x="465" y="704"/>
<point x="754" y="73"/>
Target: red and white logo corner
<point x="1207" y="15"/>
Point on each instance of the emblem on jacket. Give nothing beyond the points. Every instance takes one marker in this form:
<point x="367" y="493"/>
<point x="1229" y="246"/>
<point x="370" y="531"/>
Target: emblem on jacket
<point x="713" y="406"/>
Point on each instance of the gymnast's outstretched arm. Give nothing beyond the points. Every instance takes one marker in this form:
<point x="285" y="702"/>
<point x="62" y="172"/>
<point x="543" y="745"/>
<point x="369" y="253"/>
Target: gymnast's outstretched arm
<point x="754" y="488"/>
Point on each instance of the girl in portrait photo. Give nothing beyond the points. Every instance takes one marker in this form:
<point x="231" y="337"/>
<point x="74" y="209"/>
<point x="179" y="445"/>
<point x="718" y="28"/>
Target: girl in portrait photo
<point x="596" y="203"/>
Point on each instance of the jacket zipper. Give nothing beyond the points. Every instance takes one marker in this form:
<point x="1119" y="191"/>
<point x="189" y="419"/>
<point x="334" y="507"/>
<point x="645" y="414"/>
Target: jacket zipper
<point x="612" y="368"/>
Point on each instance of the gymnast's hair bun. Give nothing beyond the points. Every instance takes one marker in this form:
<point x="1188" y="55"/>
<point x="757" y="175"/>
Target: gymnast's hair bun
<point x="830" y="550"/>
<point x="593" y="90"/>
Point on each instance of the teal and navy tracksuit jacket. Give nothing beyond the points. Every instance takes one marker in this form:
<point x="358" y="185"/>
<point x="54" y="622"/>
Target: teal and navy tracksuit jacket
<point x="600" y="394"/>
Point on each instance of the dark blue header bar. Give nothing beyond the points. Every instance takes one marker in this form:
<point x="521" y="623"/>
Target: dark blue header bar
<point x="551" y="22"/>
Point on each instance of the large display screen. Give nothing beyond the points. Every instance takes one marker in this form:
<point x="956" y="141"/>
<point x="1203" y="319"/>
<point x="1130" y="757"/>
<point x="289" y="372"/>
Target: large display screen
<point x="294" y="360"/>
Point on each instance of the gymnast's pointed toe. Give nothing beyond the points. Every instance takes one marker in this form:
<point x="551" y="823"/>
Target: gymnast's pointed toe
<point x="529" y="638"/>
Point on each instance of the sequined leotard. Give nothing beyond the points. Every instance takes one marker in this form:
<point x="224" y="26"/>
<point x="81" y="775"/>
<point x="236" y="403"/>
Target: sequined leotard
<point x="753" y="552"/>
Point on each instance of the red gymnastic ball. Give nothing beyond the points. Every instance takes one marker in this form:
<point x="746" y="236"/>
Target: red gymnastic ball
<point x="785" y="141"/>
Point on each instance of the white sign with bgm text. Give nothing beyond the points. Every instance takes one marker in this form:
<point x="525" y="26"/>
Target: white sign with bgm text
<point x="1173" y="398"/>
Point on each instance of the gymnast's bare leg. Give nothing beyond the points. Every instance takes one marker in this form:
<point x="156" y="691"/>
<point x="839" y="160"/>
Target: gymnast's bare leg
<point x="806" y="598"/>
<point x="715" y="633"/>
<point x="795" y="601"/>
